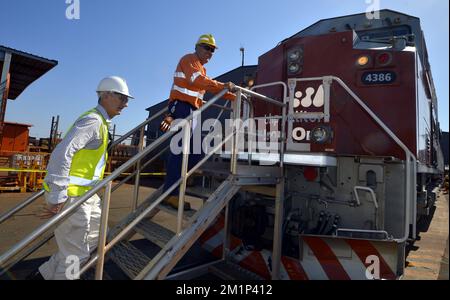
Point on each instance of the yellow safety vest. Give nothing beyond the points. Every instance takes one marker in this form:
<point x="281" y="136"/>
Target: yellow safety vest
<point x="88" y="166"/>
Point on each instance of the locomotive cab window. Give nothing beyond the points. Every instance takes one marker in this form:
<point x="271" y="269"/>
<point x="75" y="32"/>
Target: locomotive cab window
<point x="384" y="37"/>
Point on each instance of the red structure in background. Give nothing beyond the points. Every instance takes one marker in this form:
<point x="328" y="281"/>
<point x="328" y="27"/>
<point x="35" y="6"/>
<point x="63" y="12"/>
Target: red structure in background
<point x="14" y="138"/>
<point x="21" y="167"/>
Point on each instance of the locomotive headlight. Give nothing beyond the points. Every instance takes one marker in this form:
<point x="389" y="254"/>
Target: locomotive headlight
<point x="321" y="134"/>
<point x="363" y="61"/>
<point x="294" y="68"/>
<point x="295" y="55"/>
<point x="294" y="60"/>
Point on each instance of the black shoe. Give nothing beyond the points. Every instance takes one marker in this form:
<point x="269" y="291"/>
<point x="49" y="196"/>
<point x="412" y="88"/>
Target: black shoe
<point x="35" y="275"/>
<point x="172" y="201"/>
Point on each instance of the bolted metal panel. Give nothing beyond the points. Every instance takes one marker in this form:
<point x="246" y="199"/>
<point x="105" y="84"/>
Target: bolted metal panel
<point x="129" y="259"/>
<point x="154" y="232"/>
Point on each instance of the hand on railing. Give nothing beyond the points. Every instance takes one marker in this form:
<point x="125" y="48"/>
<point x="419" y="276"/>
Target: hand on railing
<point x="230" y="86"/>
<point x="165" y="124"/>
<point x="49" y="210"/>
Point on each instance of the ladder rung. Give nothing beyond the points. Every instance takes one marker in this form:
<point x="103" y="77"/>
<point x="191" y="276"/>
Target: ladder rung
<point x="186" y="214"/>
<point x="154" y="232"/>
<point x="129" y="258"/>
<point x="199" y="192"/>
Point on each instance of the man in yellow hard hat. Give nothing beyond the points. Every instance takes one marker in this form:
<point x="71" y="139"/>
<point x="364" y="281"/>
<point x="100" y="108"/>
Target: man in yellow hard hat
<point x="189" y="86"/>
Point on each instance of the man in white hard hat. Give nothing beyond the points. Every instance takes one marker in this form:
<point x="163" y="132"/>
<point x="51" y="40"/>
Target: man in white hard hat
<point x="189" y="86"/>
<point x="75" y="166"/>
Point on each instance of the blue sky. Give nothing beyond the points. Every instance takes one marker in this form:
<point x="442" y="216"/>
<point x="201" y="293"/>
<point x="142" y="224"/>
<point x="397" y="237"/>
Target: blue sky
<point x="142" y="41"/>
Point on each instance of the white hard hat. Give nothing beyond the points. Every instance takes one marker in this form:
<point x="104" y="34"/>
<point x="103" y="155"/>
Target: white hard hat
<point x="114" y="84"/>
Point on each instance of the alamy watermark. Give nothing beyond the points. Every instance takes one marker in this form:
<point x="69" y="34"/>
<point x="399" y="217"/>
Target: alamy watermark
<point x="251" y="136"/>
<point x="373" y="270"/>
<point x="373" y="9"/>
<point x="73" y="9"/>
<point x="73" y="267"/>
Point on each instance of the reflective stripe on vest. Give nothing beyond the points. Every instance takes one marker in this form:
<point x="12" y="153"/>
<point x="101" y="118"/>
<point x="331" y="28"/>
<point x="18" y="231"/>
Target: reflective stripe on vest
<point x="187" y="92"/>
<point x="74" y="180"/>
<point x="183" y="76"/>
<point x="195" y="75"/>
<point x="179" y="75"/>
<point x="88" y="165"/>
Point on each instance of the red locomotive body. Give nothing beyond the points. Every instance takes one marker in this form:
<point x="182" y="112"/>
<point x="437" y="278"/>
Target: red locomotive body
<point x="354" y="132"/>
<point x="361" y="150"/>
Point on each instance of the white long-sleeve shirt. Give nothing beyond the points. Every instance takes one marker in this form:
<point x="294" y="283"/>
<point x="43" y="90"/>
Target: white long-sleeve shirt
<point x="84" y="134"/>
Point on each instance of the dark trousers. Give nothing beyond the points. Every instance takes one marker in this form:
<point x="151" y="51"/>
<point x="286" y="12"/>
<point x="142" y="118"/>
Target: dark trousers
<point x="181" y="110"/>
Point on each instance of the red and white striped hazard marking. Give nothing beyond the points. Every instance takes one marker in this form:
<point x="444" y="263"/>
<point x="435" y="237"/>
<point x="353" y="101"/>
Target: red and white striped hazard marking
<point x="322" y="258"/>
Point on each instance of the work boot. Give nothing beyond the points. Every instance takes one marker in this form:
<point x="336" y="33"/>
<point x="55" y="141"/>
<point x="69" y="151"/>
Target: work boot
<point x="172" y="201"/>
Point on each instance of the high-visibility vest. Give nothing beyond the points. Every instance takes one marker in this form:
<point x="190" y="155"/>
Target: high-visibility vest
<point x="88" y="165"/>
<point x="190" y="82"/>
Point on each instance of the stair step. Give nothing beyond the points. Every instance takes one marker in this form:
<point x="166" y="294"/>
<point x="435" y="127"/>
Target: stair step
<point x="168" y="209"/>
<point x="230" y="271"/>
<point x="154" y="232"/>
<point x="171" y="253"/>
<point x="216" y="168"/>
<point x="113" y="232"/>
<point x="129" y="258"/>
<point x="199" y="192"/>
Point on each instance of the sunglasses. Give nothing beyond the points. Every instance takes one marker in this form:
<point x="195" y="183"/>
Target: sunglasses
<point x="209" y="48"/>
<point x="121" y="97"/>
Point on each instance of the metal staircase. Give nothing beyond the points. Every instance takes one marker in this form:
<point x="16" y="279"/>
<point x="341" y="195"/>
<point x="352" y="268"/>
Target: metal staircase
<point x="114" y="244"/>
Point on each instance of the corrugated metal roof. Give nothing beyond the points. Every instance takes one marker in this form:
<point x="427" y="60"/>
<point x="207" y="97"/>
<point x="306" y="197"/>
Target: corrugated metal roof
<point x="25" y="69"/>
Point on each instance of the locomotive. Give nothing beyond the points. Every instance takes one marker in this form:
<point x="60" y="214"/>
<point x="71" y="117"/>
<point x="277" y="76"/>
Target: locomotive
<point x="362" y="155"/>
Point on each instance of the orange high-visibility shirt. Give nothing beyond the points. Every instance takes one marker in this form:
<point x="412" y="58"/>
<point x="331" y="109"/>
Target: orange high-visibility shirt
<point x="190" y="82"/>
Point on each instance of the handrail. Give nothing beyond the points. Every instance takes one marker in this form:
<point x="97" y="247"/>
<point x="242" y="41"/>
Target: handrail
<point x="22" y="205"/>
<point x="138" y="127"/>
<point x="37" y="195"/>
<point x="181" y="182"/>
<point x="362" y="231"/>
<point x="143" y="214"/>
<point x="116" y="186"/>
<point x="283" y="117"/>
<point x="67" y="212"/>
<point x="408" y="155"/>
<point x="43" y="241"/>
<point x="260" y="96"/>
<point x="374" y="200"/>
<point x="25" y="254"/>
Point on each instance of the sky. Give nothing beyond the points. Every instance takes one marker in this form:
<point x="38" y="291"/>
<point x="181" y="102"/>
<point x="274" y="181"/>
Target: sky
<point x="142" y="41"/>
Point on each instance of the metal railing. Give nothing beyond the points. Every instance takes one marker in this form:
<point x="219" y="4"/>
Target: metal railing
<point x="4" y="268"/>
<point x="409" y="157"/>
<point x="127" y="135"/>
<point x="186" y="127"/>
<point x="103" y="248"/>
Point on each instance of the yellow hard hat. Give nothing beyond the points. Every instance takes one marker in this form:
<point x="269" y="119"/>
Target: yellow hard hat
<point x="207" y="39"/>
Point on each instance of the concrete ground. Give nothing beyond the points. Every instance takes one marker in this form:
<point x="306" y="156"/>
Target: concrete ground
<point x="25" y="221"/>
<point x="428" y="257"/>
